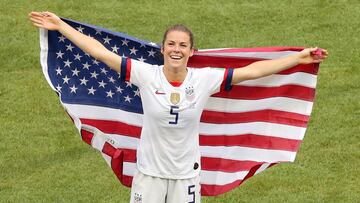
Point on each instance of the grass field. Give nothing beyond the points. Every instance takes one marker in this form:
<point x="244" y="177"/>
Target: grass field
<point x="42" y="158"/>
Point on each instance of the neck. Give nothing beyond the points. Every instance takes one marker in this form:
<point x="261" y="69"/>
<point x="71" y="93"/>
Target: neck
<point x="175" y="74"/>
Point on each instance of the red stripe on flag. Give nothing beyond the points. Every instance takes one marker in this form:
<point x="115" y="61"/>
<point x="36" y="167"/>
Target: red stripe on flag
<point x="235" y="62"/>
<point x="253" y="93"/>
<point x="129" y="155"/>
<point x="127" y="180"/>
<point x="271" y="116"/>
<point x="212" y="190"/>
<point x="86" y="136"/>
<point x="226" y="165"/>
<point x="114" y="127"/>
<point x="251" y="140"/>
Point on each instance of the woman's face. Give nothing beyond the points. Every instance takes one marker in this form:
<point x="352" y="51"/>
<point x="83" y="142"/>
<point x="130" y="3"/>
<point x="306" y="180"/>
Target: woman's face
<point x="177" y="49"/>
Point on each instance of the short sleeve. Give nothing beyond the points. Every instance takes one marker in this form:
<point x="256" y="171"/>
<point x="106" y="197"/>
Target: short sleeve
<point x="218" y="79"/>
<point x="136" y="72"/>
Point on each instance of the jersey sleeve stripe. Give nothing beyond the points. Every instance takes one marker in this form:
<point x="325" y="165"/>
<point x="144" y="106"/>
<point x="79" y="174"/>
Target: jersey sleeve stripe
<point x="128" y="69"/>
<point x="226" y="84"/>
<point x="125" y="69"/>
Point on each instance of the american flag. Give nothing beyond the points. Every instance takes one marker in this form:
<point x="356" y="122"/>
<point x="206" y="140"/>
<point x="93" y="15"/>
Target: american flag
<point x="256" y="125"/>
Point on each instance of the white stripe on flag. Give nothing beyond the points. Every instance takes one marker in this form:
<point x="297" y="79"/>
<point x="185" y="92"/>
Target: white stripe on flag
<point x="247" y="153"/>
<point x="302" y="79"/>
<point x="220" y="178"/>
<point x="258" y="128"/>
<point x="104" y="113"/>
<point x="275" y="103"/>
<point x="260" y="55"/>
<point x="262" y="168"/>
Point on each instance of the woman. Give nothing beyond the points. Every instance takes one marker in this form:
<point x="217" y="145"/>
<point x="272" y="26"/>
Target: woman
<point x="173" y="97"/>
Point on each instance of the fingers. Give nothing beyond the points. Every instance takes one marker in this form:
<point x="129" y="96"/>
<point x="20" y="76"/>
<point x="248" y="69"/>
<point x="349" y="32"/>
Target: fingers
<point x="41" y="14"/>
<point x="36" y="20"/>
<point x="35" y="14"/>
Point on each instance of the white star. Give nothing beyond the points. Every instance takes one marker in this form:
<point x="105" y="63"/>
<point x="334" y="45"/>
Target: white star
<point x="69" y="47"/>
<point x="128" y="84"/>
<point x="98" y="32"/>
<point x="86" y="65"/>
<point x="103" y="70"/>
<point x="106" y="40"/>
<point x="153" y="44"/>
<point x="133" y="51"/>
<point x="109" y="94"/>
<point x="137" y="93"/>
<point x="90" y="36"/>
<point x="59" y="54"/>
<point x="91" y="91"/>
<point x="67" y="63"/>
<point x="58" y="88"/>
<point x="141" y="59"/>
<point x="151" y="53"/>
<point x="95" y="62"/>
<point x="61" y="38"/>
<point x="115" y="49"/>
<point x="75" y="72"/>
<point x="73" y="89"/>
<point x="77" y="56"/>
<point x="142" y="45"/>
<point x="87" y="54"/>
<point x="80" y="29"/>
<point x="102" y="84"/>
<point x="128" y="99"/>
<point x="119" y="89"/>
<point x="94" y="74"/>
<point x="58" y="71"/>
<point x="66" y="80"/>
<point x="125" y="42"/>
<point x="83" y="81"/>
<point x="111" y="79"/>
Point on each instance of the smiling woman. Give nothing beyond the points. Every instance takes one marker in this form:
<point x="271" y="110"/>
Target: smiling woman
<point x="173" y="96"/>
<point x="177" y="49"/>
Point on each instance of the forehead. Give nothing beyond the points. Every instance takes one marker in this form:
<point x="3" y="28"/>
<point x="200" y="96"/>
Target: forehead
<point x="177" y="36"/>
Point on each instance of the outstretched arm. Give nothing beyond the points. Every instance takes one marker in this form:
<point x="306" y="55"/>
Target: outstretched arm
<point x="89" y="45"/>
<point x="264" y="68"/>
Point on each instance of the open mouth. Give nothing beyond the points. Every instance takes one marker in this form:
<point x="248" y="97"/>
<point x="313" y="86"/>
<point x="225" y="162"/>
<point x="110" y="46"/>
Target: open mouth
<point x="174" y="57"/>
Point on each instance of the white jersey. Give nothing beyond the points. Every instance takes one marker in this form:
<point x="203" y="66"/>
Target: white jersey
<point x="169" y="144"/>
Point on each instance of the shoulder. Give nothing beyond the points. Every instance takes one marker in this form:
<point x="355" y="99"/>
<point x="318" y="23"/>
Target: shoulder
<point x="207" y="71"/>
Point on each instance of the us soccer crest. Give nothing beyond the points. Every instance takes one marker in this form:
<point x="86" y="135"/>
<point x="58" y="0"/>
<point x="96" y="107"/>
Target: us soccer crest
<point x="190" y="93"/>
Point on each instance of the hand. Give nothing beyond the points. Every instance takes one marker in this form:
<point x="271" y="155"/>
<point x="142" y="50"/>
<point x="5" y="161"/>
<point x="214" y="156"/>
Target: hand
<point x="312" y="55"/>
<point x="45" y="20"/>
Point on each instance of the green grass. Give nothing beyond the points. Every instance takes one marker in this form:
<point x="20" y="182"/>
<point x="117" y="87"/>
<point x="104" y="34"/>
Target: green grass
<point x="42" y="158"/>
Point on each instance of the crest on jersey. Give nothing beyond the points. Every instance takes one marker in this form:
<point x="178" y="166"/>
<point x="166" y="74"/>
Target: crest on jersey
<point x="175" y="97"/>
<point x="190" y="93"/>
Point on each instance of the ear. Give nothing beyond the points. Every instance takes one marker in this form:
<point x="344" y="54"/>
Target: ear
<point x="162" y="49"/>
<point x="192" y="50"/>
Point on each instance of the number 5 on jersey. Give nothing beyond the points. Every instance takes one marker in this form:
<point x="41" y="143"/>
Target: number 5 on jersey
<point x="173" y="111"/>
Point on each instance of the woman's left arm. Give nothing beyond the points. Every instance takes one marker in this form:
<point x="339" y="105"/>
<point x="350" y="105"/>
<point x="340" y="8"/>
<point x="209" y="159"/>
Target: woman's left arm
<point x="264" y="68"/>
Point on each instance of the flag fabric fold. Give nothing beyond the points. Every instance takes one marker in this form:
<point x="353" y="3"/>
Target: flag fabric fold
<point x="256" y="125"/>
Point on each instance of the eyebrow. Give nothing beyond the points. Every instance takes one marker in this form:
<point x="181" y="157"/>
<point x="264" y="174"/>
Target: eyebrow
<point x="184" y="42"/>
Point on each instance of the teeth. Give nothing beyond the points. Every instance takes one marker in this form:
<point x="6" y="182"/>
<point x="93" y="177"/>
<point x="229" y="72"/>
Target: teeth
<point x="175" y="57"/>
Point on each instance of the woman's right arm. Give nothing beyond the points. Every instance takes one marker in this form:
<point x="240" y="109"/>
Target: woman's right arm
<point x="89" y="45"/>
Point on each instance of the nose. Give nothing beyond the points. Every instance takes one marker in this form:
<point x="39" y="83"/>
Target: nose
<point x="177" y="48"/>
